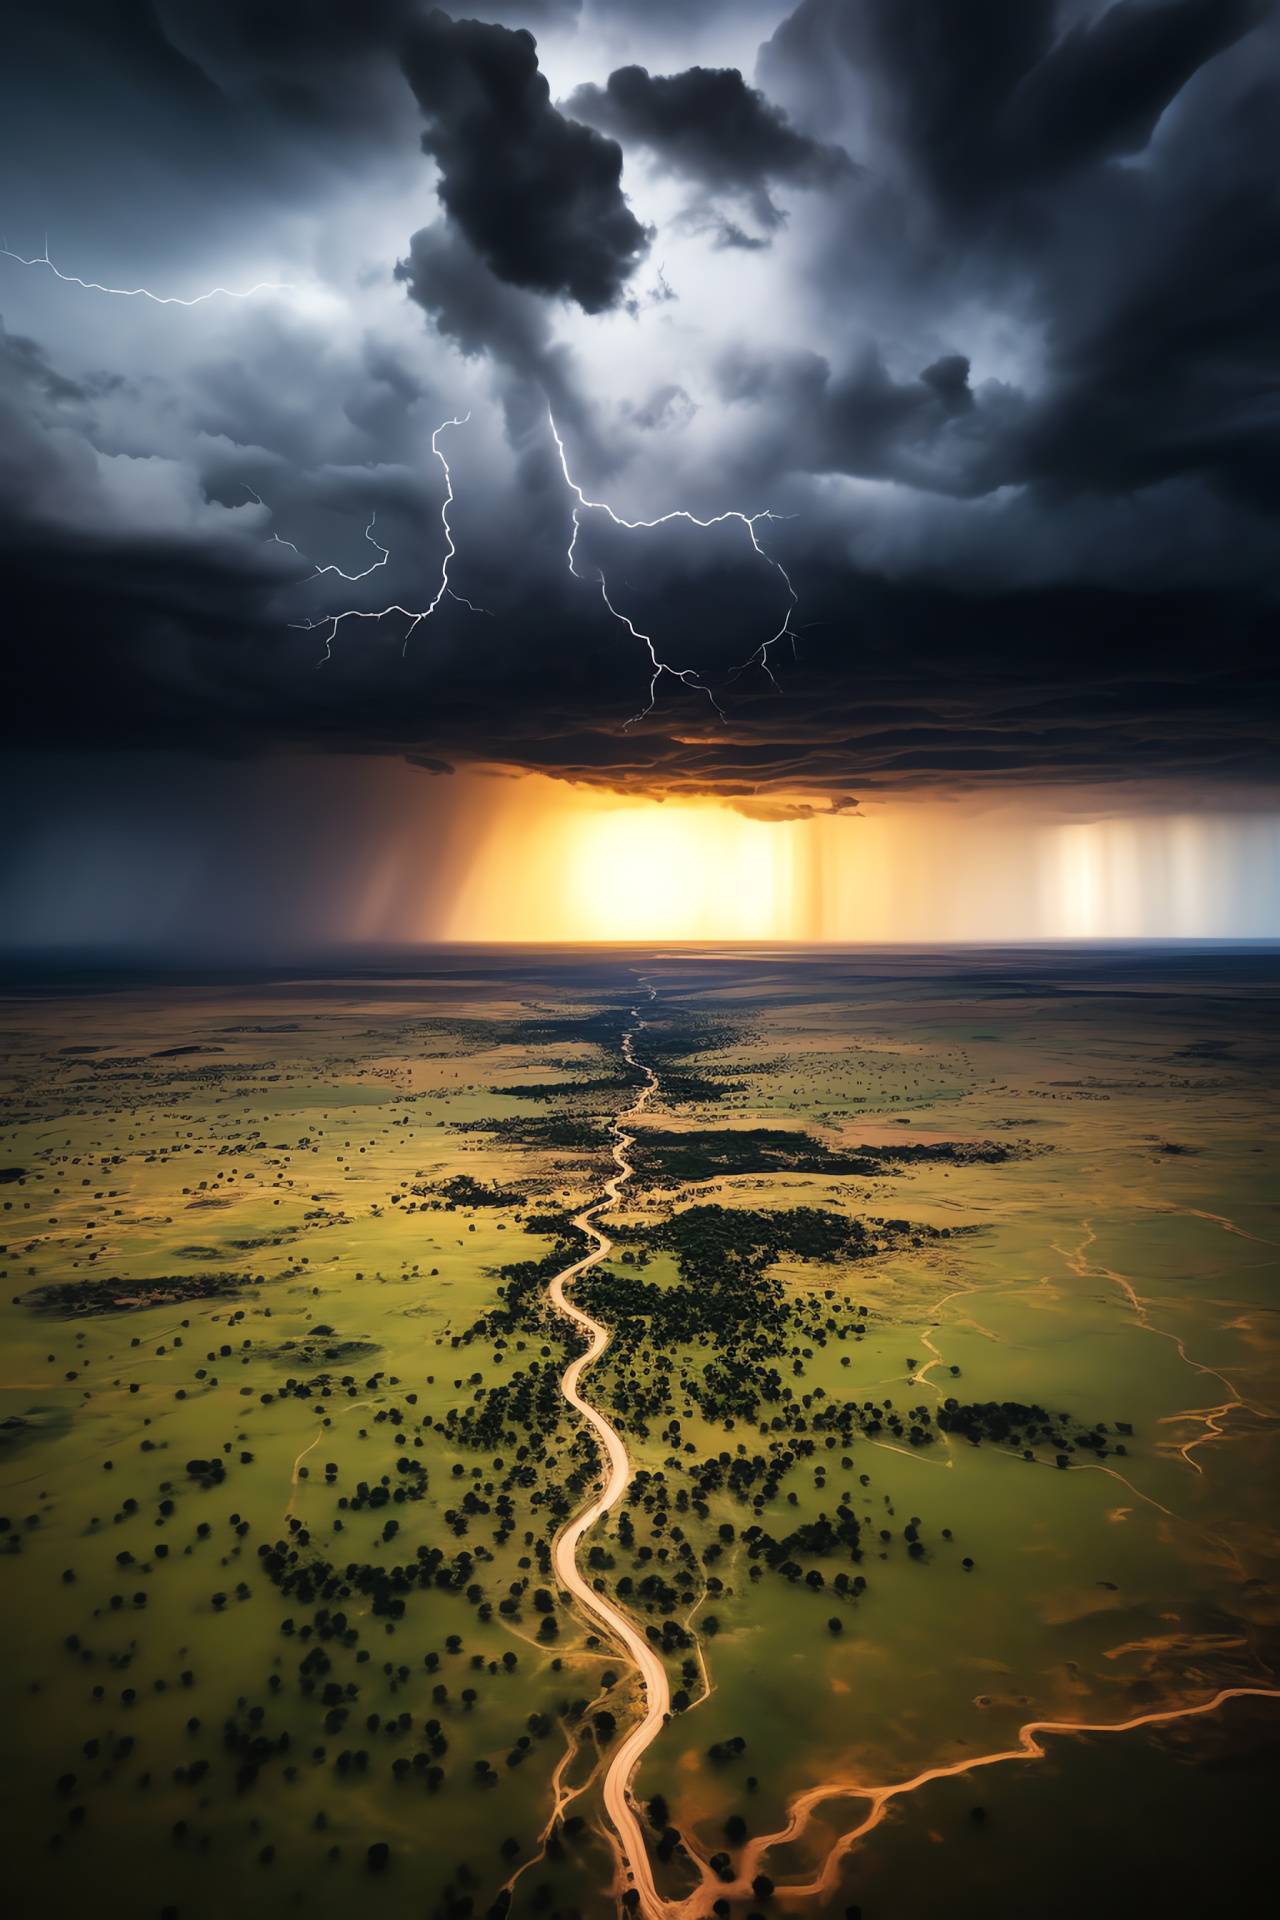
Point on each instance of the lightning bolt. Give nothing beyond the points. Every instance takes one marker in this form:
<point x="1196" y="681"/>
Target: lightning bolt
<point x="372" y="568"/>
<point x="275" y="536"/>
<point x="143" y="293"/>
<point x="686" y="675"/>
<point x="333" y="621"/>
<point x="417" y="616"/>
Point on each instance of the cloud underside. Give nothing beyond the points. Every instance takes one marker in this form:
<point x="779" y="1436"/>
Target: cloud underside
<point x="887" y="686"/>
<point x="1022" y="411"/>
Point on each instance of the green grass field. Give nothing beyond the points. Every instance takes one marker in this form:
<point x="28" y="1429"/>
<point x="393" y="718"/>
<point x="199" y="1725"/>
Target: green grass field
<point x="265" y="1361"/>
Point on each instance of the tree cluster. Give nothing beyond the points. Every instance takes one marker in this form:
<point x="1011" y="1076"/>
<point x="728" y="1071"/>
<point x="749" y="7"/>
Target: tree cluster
<point x="1009" y="1423"/>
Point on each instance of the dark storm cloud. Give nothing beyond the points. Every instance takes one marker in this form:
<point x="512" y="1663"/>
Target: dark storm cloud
<point x="1100" y="91"/>
<point x="483" y="316"/>
<point x="1150" y="283"/>
<point x="927" y="432"/>
<point x="148" y="113"/>
<point x="932" y="689"/>
<point x="152" y="114"/>
<point x="985" y="94"/>
<point x="329" y="66"/>
<point x="135" y="634"/>
<point x="708" y="125"/>
<point x="537" y="195"/>
<point x="1009" y="374"/>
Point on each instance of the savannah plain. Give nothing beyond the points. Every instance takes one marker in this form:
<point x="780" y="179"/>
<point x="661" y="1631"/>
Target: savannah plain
<point x="942" y="1305"/>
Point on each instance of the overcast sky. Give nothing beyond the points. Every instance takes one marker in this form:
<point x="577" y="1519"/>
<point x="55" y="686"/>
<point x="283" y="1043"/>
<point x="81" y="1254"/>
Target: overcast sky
<point x="976" y="297"/>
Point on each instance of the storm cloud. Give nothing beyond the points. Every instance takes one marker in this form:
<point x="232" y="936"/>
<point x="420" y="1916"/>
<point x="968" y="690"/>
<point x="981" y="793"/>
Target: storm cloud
<point x="708" y="125"/>
<point x="1004" y="377"/>
<point x="991" y="95"/>
<point x="537" y="195"/>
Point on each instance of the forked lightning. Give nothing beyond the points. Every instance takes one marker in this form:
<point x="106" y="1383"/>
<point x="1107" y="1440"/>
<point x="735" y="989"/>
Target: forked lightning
<point x="688" y="676"/>
<point x="415" y="618"/>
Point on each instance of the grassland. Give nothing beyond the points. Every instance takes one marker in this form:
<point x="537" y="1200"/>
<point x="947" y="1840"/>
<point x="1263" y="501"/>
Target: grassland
<point x="276" y="1350"/>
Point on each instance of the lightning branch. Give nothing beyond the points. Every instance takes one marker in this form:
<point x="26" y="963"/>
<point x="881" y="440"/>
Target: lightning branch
<point x="687" y="676"/>
<point x="415" y="616"/>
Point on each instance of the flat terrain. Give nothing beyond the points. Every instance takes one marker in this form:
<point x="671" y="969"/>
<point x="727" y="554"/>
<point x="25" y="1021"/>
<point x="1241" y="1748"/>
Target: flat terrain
<point x="943" y="1307"/>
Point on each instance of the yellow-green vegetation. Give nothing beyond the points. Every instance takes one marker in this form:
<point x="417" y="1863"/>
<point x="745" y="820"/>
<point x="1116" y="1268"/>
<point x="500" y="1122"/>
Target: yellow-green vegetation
<point x="941" y="1305"/>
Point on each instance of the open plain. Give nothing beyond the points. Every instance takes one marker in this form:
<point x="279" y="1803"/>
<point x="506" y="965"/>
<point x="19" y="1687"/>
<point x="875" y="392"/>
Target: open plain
<point x="935" y="1401"/>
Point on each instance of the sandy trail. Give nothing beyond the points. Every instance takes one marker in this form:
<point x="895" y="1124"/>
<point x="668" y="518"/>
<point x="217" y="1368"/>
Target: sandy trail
<point x="653" y="1676"/>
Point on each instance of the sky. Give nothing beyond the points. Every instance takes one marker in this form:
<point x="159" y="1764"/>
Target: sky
<point x="851" y="426"/>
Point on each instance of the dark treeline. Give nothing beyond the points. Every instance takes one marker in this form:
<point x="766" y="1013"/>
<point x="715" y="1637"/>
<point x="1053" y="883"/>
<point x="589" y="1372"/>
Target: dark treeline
<point x="711" y="1240"/>
<point x="604" y="1027"/>
<point x="83" y="1299"/>
<point x="548" y="1090"/>
<point x="677" y="1088"/>
<point x="961" y="1153"/>
<point x="682" y="1036"/>
<point x="464" y="1191"/>
<point x="669" y="1159"/>
<point x="1010" y="1423"/>
<point x="727" y="1299"/>
<point x="659" y="1046"/>
<point x="692" y="1088"/>
<point x="557" y="1130"/>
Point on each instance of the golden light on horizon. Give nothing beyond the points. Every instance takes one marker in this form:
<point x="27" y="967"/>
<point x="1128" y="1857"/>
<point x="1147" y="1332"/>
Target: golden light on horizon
<point x="545" y="861"/>
<point x="584" y="866"/>
<point x="367" y="851"/>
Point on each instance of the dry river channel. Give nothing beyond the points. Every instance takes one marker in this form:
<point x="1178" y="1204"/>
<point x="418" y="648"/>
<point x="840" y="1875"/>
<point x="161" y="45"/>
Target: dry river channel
<point x="633" y="1859"/>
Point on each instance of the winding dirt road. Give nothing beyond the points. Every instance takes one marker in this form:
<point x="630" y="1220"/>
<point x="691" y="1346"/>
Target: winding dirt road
<point x="617" y="1798"/>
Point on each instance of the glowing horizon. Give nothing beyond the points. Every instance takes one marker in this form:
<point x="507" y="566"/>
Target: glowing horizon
<point x="583" y="867"/>
<point x="335" y="850"/>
